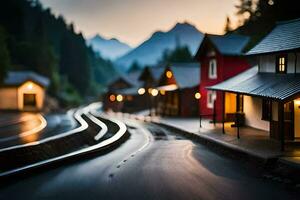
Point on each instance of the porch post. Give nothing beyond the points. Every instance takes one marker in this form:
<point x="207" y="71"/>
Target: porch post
<point x="215" y="113"/>
<point x="223" y="112"/>
<point x="281" y="124"/>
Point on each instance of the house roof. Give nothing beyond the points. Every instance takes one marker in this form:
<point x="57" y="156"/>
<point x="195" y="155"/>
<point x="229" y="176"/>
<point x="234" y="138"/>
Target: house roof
<point x="280" y="87"/>
<point x="285" y="36"/>
<point x="131" y="79"/>
<point x="187" y="75"/>
<point x="229" y="44"/>
<point x="19" y="77"/>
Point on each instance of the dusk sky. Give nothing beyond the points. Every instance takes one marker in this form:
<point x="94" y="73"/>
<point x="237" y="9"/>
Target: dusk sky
<point x="133" y="21"/>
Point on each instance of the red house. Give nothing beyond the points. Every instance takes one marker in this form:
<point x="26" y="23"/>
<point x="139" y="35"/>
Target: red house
<point x="220" y="57"/>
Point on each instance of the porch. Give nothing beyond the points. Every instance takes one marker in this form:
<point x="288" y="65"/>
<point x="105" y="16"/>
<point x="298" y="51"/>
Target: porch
<point x="253" y="141"/>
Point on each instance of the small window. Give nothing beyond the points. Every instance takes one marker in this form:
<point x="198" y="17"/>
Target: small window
<point x="266" y="109"/>
<point x="281" y="64"/>
<point x="212" y="71"/>
<point x="211" y="97"/>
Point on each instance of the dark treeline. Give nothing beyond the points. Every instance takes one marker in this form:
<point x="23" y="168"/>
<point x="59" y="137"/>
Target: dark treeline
<point x="32" y="38"/>
<point x="258" y="17"/>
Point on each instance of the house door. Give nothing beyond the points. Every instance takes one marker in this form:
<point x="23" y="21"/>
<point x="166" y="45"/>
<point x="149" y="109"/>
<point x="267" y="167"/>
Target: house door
<point x="297" y="118"/>
<point x="29" y="100"/>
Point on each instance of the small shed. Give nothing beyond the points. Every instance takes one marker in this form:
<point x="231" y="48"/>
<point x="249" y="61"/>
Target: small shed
<point x="23" y="91"/>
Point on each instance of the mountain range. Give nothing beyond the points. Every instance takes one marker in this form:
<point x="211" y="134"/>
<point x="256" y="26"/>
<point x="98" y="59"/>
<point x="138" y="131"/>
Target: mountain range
<point x="108" y="48"/>
<point x="151" y="51"/>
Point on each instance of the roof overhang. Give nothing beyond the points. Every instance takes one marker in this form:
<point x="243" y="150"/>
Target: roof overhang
<point x="278" y="87"/>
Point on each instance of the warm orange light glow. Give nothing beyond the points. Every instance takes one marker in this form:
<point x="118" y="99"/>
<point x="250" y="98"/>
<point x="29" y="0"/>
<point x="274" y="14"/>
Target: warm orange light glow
<point x="141" y="91"/>
<point x="154" y="92"/>
<point x="29" y="86"/>
<point x="169" y="74"/>
<point x="297" y="102"/>
<point x="119" y="98"/>
<point x="32" y="129"/>
<point x="129" y="98"/>
<point x="150" y="90"/>
<point x="162" y="92"/>
<point x="112" y="98"/>
<point x="197" y="95"/>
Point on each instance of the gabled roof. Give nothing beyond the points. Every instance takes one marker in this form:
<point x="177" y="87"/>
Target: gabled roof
<point x="229" y="44"/>
<point x="279" y="87"/>
<point x="16" y="78"/>
<point x="187" y="75"/>
<point x="284" y="37"/>
<point x="155" y="72"/>
<point x="132" y="79"/>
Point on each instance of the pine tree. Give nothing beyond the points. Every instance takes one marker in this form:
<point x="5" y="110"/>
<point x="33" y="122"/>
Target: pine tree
<point x="4" y="55"/>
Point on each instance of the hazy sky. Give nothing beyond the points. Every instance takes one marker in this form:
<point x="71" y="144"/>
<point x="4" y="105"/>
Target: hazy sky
<point x="133" y="21"/>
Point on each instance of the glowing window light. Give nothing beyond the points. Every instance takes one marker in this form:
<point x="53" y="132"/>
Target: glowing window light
<point x="169" y="74"/>
<point x="162" y="92"/>
<point x="119" y="98"/>
<point x="141" y="91"/>
<point x="197" y="95"/>
<point x="154" y="92"/>
<point x="112" y="98"/>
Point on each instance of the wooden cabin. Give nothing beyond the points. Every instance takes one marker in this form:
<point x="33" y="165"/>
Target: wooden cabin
<point x="23" y="91"/>
<point x="177" y="87"/>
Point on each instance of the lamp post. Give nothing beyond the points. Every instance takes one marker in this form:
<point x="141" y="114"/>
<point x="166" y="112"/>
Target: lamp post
<point x="198" y="97"/>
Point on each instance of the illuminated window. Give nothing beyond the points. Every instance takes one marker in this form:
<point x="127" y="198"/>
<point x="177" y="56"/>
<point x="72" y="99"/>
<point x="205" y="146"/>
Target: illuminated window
<point x="211" y="97"/>
<point x="169" y="74"/>
<point x="281" y="64"/>
<point x="112" y="98"/>
<point x="212" y="71"/>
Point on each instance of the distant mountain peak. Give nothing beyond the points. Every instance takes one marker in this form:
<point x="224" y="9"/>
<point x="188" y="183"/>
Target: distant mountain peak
<point x="183" y="27"/>
<point x="151" y="50"/>
<point x="108" y="48"/>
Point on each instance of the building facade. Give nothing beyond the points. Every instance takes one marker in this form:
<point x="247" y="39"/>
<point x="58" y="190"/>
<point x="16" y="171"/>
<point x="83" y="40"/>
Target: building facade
<point x="268" y="95"/>
<point x="177" y="86"/>
<point x="220" y="58"/>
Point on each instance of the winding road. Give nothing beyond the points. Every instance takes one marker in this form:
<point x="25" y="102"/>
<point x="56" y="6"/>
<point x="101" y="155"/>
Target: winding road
<point x="152" y="164"/>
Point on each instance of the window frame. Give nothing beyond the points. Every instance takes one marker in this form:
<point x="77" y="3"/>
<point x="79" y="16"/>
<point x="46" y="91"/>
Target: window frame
<point x="279" y="64"/>
<point x="212" y="64"/>
<point x="211" y="97"/>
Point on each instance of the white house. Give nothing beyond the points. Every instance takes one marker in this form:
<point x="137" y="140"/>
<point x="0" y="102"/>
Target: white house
<point x="268" y="95"/>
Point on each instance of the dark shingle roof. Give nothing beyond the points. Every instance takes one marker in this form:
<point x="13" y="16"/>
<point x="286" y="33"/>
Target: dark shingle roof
<point x="229" y="44"/>
<point x="285" y="36"/>
<point x="266" y="85"/>
<point x="19" y="77"/>
<point x="187" y="75"/>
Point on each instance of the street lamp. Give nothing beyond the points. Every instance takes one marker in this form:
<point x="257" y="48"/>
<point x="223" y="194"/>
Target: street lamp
<point x="141" y="91"/>
<point x="198" y="97"/>
<point x="119" y="98"/>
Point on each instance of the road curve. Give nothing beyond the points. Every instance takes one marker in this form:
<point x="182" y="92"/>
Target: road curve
<point x="152" y="164"/>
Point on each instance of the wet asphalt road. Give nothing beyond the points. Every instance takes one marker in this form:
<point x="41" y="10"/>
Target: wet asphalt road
<point x="14" y="125"/>
<point x="151" y="164"/>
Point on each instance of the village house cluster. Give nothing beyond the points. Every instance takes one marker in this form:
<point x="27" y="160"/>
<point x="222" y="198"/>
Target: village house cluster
<point x="258" y="88"/>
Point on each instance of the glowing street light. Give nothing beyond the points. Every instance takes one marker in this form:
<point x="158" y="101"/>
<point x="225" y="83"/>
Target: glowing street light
<point x="112" y="98"/>
<point x="154" y="92"/>
<point x="197" y="95"/>
<point x="141" y="91"/>
<point x="119" y="98"/>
